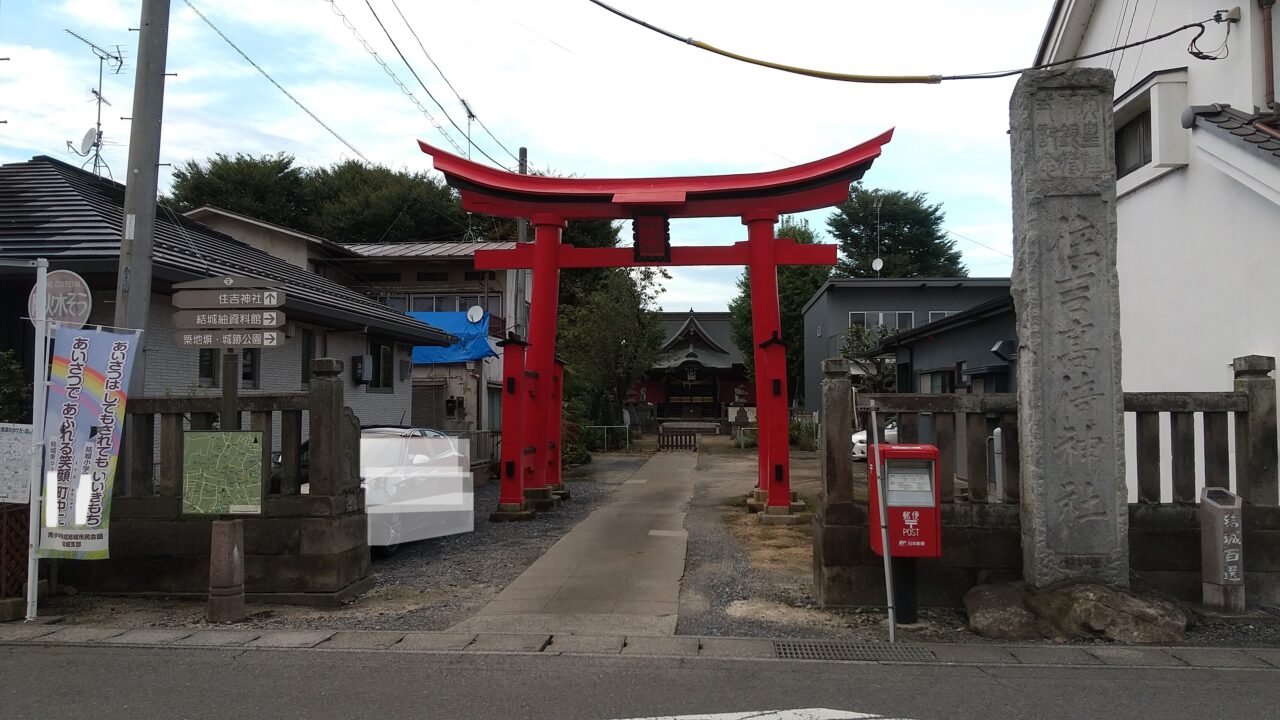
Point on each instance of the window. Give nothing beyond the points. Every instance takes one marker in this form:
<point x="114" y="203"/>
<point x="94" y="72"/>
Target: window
<point x="381" y="276"/>
<point x="383" y="371"/>
<point x="1133" y="144"/>
<point x="891" y="319"/>
<point x="308" y="354"/>
<point x="209" y="367"/>
<point x="399" y="303"/>
<point x="250" y="368"/>
<point x="434" y="276"/>
<point x="479" y="275"/>
<point x="940" y="314"/>
<point x="424" y="303"/>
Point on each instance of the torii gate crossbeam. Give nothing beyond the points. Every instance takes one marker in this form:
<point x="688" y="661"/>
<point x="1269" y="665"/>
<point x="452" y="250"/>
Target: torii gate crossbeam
<point x="532" y="376"/>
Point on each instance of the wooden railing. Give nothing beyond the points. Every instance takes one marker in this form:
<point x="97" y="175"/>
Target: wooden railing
<point x="1250" y="407"/>
<point x="676" y="439"/>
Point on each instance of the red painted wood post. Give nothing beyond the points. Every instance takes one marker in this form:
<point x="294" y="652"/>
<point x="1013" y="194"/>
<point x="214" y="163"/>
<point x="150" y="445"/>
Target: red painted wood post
<point x="511" y="490"/>
<point x="540" y="358"/>
<point x="766" y="325"/>
<point x="779" y="480"/>
<point x="554" y="429"/>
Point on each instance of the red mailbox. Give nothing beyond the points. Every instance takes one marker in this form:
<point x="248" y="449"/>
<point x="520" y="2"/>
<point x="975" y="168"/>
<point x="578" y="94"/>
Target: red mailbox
<point x="912" y="499"/>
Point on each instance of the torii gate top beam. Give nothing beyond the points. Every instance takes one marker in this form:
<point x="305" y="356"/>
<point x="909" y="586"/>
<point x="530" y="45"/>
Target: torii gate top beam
<point x="813" y="185"/>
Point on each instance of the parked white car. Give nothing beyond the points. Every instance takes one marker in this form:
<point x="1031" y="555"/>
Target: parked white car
<point x="860" y="439"/>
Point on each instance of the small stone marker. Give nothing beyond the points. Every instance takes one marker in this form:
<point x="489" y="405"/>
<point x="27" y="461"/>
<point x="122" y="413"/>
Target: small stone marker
<point x="1065" y="290"/>
<point x="1222" y="550"/>
<point x="226" y="572"/>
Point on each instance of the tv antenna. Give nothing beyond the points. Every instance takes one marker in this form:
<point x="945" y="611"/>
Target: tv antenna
<point x="91" y="144"/>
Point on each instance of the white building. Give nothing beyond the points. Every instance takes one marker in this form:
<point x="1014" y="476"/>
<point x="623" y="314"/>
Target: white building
<point x="1198" y="166"/>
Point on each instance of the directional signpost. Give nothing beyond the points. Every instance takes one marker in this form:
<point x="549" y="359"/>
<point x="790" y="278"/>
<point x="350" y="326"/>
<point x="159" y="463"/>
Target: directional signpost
<point x="233" y="313"/>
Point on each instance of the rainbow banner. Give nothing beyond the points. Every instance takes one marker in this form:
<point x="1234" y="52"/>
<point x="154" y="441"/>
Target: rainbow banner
<point x="88" y="385"/>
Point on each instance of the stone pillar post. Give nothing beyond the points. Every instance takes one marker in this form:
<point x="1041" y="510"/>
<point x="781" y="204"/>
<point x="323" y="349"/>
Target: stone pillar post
<point x="839" y="523"/>
<point x="226" y="572"/>
<point x="1256" y="432"/>
<point x="326" y="468"/>
<point x="1065" y="290"/>
<point x="229" y="418"/>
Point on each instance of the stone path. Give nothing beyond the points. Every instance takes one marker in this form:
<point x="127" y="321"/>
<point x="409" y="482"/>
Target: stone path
<point x="618" y="572"/>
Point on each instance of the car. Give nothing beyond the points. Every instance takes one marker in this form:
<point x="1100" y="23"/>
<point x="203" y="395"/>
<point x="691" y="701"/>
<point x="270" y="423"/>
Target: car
<point x="860" y="439"/>
<point x="417" y="484"/>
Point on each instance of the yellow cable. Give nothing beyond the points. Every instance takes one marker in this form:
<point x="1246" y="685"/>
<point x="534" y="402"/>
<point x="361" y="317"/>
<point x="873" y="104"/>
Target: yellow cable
<point x="822" y="74"/>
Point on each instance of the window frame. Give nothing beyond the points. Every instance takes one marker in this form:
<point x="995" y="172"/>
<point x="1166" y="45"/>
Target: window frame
<point x="251" y="368"/>
<point x="382" y="358"/>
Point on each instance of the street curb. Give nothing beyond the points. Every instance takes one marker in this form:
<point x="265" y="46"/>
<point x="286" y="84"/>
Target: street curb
<point x="1100" y="657"/>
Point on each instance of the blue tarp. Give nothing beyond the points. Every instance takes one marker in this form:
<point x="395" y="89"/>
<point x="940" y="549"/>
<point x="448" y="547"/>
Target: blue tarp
<point x="473" y="338"/>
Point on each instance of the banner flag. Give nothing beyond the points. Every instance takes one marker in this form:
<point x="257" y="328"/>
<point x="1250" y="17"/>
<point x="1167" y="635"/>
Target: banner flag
<point x="84" y="416"/>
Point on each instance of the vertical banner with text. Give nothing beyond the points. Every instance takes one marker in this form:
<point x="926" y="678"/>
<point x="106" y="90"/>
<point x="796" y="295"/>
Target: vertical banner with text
<point x="84" y="417"/>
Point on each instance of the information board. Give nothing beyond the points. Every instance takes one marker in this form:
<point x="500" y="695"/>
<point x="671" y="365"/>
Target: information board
<point x="222" y="473"/>
<point x="15" y="463"/>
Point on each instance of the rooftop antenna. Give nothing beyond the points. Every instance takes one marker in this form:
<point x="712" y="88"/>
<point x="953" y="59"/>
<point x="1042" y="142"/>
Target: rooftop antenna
<point x="470" y="235"/>
<point x="91" y="144"/>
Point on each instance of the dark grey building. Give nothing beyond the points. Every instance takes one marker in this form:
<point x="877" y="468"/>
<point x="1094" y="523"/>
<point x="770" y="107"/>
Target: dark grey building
<point x="972" y="350"/>
<point x="896" y="303"/>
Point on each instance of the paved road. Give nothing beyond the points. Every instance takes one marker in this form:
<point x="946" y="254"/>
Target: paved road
<point x="618" y="571"/>
<point x="142" y="683"/>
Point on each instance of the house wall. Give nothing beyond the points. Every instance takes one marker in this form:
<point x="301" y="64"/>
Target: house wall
<point x="827" y="319"/>
<point x="1197" y="256"/>
<point x="293" y="250"/>
<point x="970" y="344"/>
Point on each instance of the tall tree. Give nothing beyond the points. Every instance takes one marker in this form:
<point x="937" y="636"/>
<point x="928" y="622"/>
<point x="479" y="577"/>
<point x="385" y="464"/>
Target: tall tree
<point x="796" y="284"/>
<point x="912" y="242"/>
<point x="877" y="374"/>
<point x="268" y="187"/>
<point x="347" y="202"/>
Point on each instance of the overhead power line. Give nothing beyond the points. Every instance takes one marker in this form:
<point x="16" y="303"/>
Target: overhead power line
<point x="465" y="106"/>
<point x="916" y="79"/>
<point x="414" y="73"/>
<point x="394" y="78"/>
<point x="272" y="80"/>
<point x="975" y="242"/>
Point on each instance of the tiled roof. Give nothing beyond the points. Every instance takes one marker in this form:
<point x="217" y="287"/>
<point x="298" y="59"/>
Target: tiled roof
<point x="54" y="210"/>
<point x="1249" y="130"/>
<point x="426" y="250"/>
<point x="714" y="327"/>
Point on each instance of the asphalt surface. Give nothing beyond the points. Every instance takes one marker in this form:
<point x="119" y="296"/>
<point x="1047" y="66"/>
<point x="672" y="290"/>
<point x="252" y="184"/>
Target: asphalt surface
<point x="140" y="683"/>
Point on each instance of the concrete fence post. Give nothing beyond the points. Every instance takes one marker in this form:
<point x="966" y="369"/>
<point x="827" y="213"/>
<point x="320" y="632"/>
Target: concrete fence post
<point x="327" y="466"/>
<point x="1256" y="438"/>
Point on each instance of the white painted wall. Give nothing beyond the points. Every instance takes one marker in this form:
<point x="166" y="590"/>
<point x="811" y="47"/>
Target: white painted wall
<point x="1199" y="244"/>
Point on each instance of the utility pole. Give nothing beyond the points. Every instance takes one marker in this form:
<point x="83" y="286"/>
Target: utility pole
<point x="133" y="285"/>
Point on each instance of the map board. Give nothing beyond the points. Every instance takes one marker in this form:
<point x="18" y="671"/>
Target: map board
<point x="222" y="473"/>
<point x="15" y="463"/>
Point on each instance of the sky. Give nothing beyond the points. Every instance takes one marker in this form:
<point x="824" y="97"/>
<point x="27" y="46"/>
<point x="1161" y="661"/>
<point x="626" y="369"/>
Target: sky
<point x="588" y="93"/>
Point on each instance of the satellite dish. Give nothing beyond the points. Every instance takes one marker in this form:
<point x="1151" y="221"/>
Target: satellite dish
<point x="877" y="264"/>
<point x="475" y="314"/>
<point x="88" y="141"/>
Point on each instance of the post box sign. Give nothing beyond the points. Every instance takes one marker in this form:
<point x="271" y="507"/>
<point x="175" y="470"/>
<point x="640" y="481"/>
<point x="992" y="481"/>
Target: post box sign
<point x="912" y="500"/>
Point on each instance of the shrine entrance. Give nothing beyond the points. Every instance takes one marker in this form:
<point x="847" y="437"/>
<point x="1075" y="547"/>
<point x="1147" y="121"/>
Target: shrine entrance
<point x="532" y="375"/>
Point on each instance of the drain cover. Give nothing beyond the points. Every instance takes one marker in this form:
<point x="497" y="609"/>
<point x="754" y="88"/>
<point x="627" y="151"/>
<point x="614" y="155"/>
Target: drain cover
<point x="834" y="650"/>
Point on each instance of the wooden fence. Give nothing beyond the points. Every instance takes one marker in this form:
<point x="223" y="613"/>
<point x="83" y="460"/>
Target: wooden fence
<point x="677" y="439"/>
<point x="1251" y="407"/>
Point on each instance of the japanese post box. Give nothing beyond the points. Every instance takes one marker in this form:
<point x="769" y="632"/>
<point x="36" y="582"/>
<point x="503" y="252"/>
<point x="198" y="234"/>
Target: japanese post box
<point x="912" y="500"/>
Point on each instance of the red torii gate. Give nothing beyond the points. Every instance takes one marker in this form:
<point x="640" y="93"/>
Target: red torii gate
<point x="530" y="473"/>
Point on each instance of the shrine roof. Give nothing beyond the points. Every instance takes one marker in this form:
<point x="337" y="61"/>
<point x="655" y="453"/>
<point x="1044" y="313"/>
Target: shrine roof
<point x="809" y="186"/>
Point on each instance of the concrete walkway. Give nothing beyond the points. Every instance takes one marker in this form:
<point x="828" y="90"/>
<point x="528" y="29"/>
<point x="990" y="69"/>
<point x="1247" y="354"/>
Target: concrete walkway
<point x="618" y="572"/>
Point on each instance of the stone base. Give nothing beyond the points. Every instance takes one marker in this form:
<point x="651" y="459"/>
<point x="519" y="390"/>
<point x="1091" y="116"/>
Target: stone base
<point x="541" y="499"/>
<point x="512" y="512"/>
<point x="780" y="515"/>
<point x="560" y="492"/>
<point x="1223" y="598"/>
<point x="15" y="608"/>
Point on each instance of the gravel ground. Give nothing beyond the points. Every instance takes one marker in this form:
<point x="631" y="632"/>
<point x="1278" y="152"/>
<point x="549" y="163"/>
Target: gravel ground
<point x="428" y="585"/>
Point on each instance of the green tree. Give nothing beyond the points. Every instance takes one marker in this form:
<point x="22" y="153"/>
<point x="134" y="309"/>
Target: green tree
<point x="608" y="341"/>
<point x="269" y="187"/>
<point x="796" y="285"/>
<point x="350" y="201"/>
<point x="15" y="390"/>
<point x="912" y="242"/>
<point x="879" y="374"/>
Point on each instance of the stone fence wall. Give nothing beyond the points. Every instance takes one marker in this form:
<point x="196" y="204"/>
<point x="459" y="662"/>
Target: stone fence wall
<point x="982" y="544"/>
